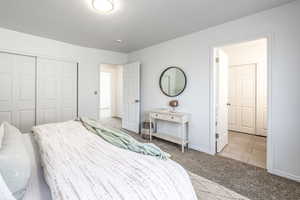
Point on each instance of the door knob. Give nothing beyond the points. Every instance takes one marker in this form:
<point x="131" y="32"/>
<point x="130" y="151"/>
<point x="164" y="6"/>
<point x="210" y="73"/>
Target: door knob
<point x="136" y="101"/>
<point x="228" y="104"/>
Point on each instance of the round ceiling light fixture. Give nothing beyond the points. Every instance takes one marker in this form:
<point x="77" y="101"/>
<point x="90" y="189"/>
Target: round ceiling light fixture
<point x="104" y="6"/>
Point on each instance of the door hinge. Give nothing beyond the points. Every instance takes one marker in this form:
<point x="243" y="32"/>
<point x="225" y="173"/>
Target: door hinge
<point x="217" y="59"/>
<point x="217" y="135"/>
<point x="216" y="123"/>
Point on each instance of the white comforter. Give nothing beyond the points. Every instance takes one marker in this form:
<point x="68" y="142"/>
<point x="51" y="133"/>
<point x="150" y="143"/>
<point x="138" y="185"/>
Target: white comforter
<point x="79" y="165"/>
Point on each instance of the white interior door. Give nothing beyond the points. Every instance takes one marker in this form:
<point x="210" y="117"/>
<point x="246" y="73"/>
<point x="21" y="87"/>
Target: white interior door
<point x="56" y="91"/>
<point x="242" y="97"/>
<point x="221" y="99"/>
<point x="131" y="97"/>
<point x="17" y="90"/>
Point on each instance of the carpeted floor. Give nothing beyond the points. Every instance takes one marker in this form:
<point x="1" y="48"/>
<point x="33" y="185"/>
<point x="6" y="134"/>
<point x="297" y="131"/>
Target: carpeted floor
<point x="252" y="182"/>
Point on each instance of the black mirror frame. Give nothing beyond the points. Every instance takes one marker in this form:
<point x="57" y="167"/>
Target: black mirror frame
<point x="185" y="81"/>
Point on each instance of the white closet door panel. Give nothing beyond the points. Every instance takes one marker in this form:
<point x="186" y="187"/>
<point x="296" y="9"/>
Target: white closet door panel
<point x="17" y="90"/>
<point x="5" y="116"/>
<point x="242" y="97"/>
<point x="48" y="81"/>
<point x="24" y="93"/>
<point x="247" y="97"/>
<point x="25" y="82"/>
<point x="57" y="91"/>
<point x="5" y="90"/>
<point x="26" y="120"/>
<point x="48" y="115"/>
<point x="6" y="83"/>
<point x="246" y="85"/>
<point x="68" y="114"/>
<point x="247" y="120"/>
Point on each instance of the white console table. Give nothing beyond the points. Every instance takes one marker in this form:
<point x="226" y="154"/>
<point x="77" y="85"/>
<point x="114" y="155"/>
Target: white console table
<point x="174" y="117"/>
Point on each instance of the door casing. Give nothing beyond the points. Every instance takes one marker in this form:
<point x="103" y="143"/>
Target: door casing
<point x="212" y="119"/>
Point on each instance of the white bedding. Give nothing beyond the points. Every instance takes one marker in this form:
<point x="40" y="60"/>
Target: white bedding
<point x="37" y="188"/>
<point x="79" y="165"/>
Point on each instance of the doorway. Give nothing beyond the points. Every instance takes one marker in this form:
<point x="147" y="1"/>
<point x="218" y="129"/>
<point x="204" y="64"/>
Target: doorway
<point x="119" y="96"/>
<point x="111" y="94"/>
<point x="241" y="101"/>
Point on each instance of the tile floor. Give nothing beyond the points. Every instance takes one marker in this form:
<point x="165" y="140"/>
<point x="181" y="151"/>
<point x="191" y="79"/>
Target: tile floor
<point x="246" y="148"/>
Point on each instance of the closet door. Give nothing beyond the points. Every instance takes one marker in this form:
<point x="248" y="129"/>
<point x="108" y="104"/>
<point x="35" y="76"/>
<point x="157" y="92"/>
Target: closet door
<point x="247" y="98"/>
<point x="233" y="121"/>
<point x="25" y="87"/>
<point x="56" y="91"/>
<point x="242" y="90"/>
<point x="17" y="90"/>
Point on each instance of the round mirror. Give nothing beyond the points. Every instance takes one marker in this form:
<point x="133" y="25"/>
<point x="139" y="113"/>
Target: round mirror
<point x="172" y="81"/>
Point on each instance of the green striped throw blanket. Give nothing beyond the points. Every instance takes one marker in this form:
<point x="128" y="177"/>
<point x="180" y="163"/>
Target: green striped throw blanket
<point x="123" y="140"/>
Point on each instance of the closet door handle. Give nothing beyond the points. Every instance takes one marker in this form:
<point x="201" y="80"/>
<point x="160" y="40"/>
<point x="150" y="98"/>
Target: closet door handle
<point x="228" y="104"/>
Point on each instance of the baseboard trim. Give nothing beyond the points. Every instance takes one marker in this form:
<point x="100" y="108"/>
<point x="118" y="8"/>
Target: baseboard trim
<point x="197" y="148"/>
<point x="284" y="175"/>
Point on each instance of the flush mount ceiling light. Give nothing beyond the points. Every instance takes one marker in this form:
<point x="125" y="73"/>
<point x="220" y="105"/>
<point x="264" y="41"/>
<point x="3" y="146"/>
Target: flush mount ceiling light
<point x="104" y="6"/>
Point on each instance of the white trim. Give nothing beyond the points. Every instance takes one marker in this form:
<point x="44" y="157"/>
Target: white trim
<point x="285" y="175"/>
<point x="270" y="144"/>
<point x="201" y="149"/>
<point x="32" y="54"/>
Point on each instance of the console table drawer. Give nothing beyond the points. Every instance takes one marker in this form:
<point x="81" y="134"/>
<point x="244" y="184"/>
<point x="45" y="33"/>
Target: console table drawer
<point x="166" y="117"/>
<point x="174" y="118"/>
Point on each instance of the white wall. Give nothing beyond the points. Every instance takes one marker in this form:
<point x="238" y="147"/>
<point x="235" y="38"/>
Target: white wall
<point x="193" y="54"/>
<point x="89" y="60"/>
<point x="253" y="52"/>
<point x="119" y="96"/>
<point x="117" y="88"/>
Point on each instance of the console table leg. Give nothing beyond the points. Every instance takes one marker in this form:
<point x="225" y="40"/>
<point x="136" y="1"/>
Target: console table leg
<point x="182" y="137"/>
<point x="150" y="129"/>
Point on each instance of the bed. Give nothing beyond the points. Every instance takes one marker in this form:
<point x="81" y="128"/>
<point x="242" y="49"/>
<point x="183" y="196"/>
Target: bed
<point x="37" y="188"/>
<point x="71" y="156"/>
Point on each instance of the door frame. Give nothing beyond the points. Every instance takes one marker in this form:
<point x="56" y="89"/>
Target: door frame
<point x="98" y="90"/>
<point x="98" y="85"/>
<point x="212" y="96"/>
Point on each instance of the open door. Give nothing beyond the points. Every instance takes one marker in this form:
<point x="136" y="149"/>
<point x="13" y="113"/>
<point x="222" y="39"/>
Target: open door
<point x="221" y="99"/>
<point x="131" y="97"/>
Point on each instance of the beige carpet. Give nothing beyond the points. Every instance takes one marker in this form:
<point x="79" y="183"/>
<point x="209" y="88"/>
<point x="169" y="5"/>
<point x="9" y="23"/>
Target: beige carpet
<point x="208" y="190"/>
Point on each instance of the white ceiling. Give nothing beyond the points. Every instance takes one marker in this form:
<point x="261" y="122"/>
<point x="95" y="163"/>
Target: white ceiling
<point x="139" y="23"/>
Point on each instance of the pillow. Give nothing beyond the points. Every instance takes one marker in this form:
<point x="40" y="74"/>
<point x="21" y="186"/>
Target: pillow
<point x="15" y="165"/>
<point x="1" y="134"/>
<point x="4" y="191"/>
